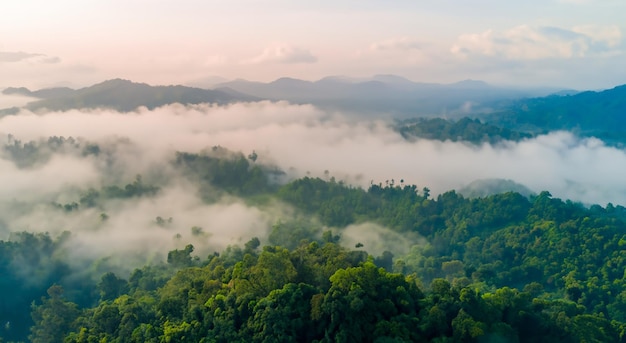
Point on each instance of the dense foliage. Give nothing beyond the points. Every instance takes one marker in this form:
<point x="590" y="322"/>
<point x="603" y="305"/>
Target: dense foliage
<point x="462" y="130"/>
<point x="599" y="114"/>
<point x="502" y="268"/>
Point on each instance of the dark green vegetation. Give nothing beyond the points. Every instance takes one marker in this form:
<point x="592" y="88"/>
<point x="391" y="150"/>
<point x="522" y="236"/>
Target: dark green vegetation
<point x="462" y="130"/>
<point x="586" y="114"/>
<point x="502" y="268"/>
<point x="599" y="114"/>
<point x="34" y="153"/>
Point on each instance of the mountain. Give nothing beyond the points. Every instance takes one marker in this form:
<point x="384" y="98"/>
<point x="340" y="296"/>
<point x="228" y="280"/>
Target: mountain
<point x="601" y="114"/>
<point x="125" y="96"/>
<point x="387" y="95"/>
<point x="45" y="93"/>
<point x="470" y="84"/>
<point x="206" y="82"/>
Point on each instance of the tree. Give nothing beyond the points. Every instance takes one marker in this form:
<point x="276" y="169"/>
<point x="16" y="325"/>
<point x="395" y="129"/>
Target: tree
<point x="284" y="315"/>
<point x="111" y="287"/>
<point x="180" y="258"/>
<point x="53" y="318"/>
<point x="367" y="302"/>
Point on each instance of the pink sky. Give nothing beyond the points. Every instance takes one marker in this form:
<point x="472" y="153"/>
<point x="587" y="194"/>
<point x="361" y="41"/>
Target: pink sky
<point x="573" y="43"/>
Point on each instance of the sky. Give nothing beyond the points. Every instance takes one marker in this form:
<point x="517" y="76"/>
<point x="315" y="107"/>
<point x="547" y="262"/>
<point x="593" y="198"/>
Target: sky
<point x="576" y="44"/>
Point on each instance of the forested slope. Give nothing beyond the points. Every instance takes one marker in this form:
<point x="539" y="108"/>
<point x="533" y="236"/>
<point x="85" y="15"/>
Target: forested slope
<point x="503" y="268"/>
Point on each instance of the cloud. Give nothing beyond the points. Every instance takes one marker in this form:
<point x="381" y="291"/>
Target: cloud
<point x="41" y="182"/>
<point x="51" y="60"/>
<point x="19" y="56"/>
<point x="400" y="43"/>
<point x="532" y="43"/>
<point x="377" y="239"/>
<point x="285" y="54"/>
<point x="300" y="139"/>
<point x="584" y="2"/>
<point x="7" y="101"/>
<point x="221" y="224"/>
<point x="610" y="35"/>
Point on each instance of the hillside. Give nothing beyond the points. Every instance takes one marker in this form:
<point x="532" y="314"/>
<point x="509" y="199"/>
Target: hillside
<point x="125" y="96"/>
<point x="385" y="95"/>
<point x="462" y="130"/>
<point x="386" y="263"/>
<point x="504" y="113"/>
<point x="601" y="113"/>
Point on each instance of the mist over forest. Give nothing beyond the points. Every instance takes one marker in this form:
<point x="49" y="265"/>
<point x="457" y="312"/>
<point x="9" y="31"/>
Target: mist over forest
<point x="312" y="171"/>
<point x="120" y="202"/>
<point x="357" y="151"/>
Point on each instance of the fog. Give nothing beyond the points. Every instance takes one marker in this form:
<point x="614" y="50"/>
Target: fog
<point x="376" y="239"/>
<point x="299" y="139"/>
<point x="303" y="140"/>
<point x="8" y="101"/>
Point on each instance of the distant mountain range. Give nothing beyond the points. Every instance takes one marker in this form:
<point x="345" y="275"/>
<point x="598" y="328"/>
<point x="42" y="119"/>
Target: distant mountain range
<point x="385" y="95"/>
<point x="381" y="95"/>
<point x="125" y="96"/>
<point x="601" y="113"/>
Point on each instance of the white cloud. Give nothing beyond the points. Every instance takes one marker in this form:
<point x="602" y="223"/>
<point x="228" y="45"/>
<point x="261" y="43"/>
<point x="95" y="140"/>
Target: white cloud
<point x="21" y="56"/>
<point x="303" y="139"/>
<point x="282" y="53"/>
<point x="532" y="43"/>
<point x="584" y="2"/>
<point x="399" y="43"/>
<point x="300" y="139"/>
<point x="610" y="35"/>
<point x="16" y="56"/>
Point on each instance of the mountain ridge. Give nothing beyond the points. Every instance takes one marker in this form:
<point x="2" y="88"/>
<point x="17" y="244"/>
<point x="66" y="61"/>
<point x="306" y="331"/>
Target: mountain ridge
<point x="125" y="96"/>
<point x="590" y="113"/>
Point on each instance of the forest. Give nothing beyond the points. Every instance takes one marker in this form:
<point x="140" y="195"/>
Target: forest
<point x="498" y="268"/>
<point x="462" y="130"/>
<point x="313" y="171"/>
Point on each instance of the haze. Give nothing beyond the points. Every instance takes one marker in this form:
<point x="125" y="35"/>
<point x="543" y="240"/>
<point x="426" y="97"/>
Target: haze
<point x="303" y="140"/>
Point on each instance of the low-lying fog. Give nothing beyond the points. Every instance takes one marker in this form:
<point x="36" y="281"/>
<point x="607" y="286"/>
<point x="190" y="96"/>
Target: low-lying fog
<point x="300" y="139"/>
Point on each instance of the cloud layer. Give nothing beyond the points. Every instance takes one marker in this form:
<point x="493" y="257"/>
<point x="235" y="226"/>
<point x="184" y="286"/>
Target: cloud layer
<point x="282" y="53"/>
<point x="300" y="139"/>
<point x="531" y="43"/>
<point x="19" y="56"/>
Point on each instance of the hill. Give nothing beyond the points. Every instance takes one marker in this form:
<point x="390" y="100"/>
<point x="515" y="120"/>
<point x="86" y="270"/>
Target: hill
<point x="45" y="93"/>
<point x="125" y="96"/>
<point x="378" y="96"/>
<point x="465" y="129"/>
<point x="384" y="95"/>
<point x="601" y="114"/>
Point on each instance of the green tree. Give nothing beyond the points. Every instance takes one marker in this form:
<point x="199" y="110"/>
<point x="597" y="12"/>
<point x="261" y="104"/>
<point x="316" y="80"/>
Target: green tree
<point x="365" y="303"/>
<point x="54" y="318"/>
